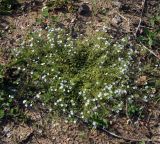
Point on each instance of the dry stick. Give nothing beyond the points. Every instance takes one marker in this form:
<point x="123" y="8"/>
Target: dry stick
<point x="128" y="139"/>
<point x="118" y="136"/>
<point x="5" y="133"/>
<point x="122" y="16"/>
<point x="150" y="51"/>
<point x="140" y="21"/>
<point x="127" y="109"/>
<point x="36" y="139"/>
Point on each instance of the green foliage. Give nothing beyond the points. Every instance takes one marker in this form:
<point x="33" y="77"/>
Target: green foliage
<point x="7" y="5"/>
<point x="135" y="110"/>
<point x="93" y="78"/>
<point x="59" y="3"/>
<point x="10" y="97"/>
<point x="90" y="77"/>
<point x="75" y="77"/>
<point x="63" y="5"/>
<point x="1" y="73"/>
<point x="45" y="12"/>
<point x="151" y="37"/>
<point x="155" y="20"/>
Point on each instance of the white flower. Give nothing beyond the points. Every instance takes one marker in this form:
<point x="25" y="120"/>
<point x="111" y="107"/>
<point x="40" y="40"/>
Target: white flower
<point x="99" y="95"/>
<point x="11" y="96"/>
<point x="24" y="101"/>
<point x="45" y="7"/>
<point x="87" y="103"/>
<point x="43" y="77"/>
<point x="94" y="123"/>
<point x="42" y="64"/>
<point x="66" y="121"/>
<point x="71" y="112"/>
<point x="80" y="93"/>
<point x="94" y="100"/>
<point x="38" y="95"/>
<point x="31" y="45"/>
<point x="95" y="108"/>
<point x="97" y="46"/>
<point x="123" y="40"/>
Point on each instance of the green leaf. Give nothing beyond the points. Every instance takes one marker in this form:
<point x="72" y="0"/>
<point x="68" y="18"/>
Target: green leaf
<point x="157" y="84"/>
<point x="158" y="18"/>
<point x="152" y="22"/>
<point x="150" y="42"/>
<point x="1" y="114"/>
<point x="39" y="20"/>
<point x="45" y="12"/>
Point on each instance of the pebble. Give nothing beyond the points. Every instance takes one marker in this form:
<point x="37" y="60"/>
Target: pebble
<point x="84" y="10"/>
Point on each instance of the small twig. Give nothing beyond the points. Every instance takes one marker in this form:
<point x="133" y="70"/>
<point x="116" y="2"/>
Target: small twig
<point x="127" y="109"/>
<point x="140" y="21"/>
<point x="5" y="133"/>
<point x="128" y="139"/>
<point x="137" y="29"/>
<point x="27" y="139"/>
<point x="117" y="136"/>
<point x="122" y="16"/>
<point x="150" y="51"/>
<point x="36" y="139"/>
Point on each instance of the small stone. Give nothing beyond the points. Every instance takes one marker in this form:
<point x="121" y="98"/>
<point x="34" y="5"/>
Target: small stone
<point x="116" y="20"/>
<point x="7" y="27"/>
<point x="8" y="135"/>
<point x="6" y="129"/>
<point x="84" y="10"/>
<point x="125" y="7"/>
<point x="117" y="4"/>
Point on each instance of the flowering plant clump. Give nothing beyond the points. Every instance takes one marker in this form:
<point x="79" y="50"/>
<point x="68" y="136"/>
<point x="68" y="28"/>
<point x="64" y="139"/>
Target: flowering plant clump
<point x="83" y="77"/>
<point x="90" y="78"/>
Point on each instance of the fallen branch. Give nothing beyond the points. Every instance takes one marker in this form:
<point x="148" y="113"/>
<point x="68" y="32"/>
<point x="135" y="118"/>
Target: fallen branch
<point x="127" y="139"/>
<point x="117" y="136"/>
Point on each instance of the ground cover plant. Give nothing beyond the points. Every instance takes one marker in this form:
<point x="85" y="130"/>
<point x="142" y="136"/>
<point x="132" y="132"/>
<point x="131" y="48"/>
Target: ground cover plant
<point x="69" y="75"/>
<point x="93" y="79"/>
<point x="96" y="79"/>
